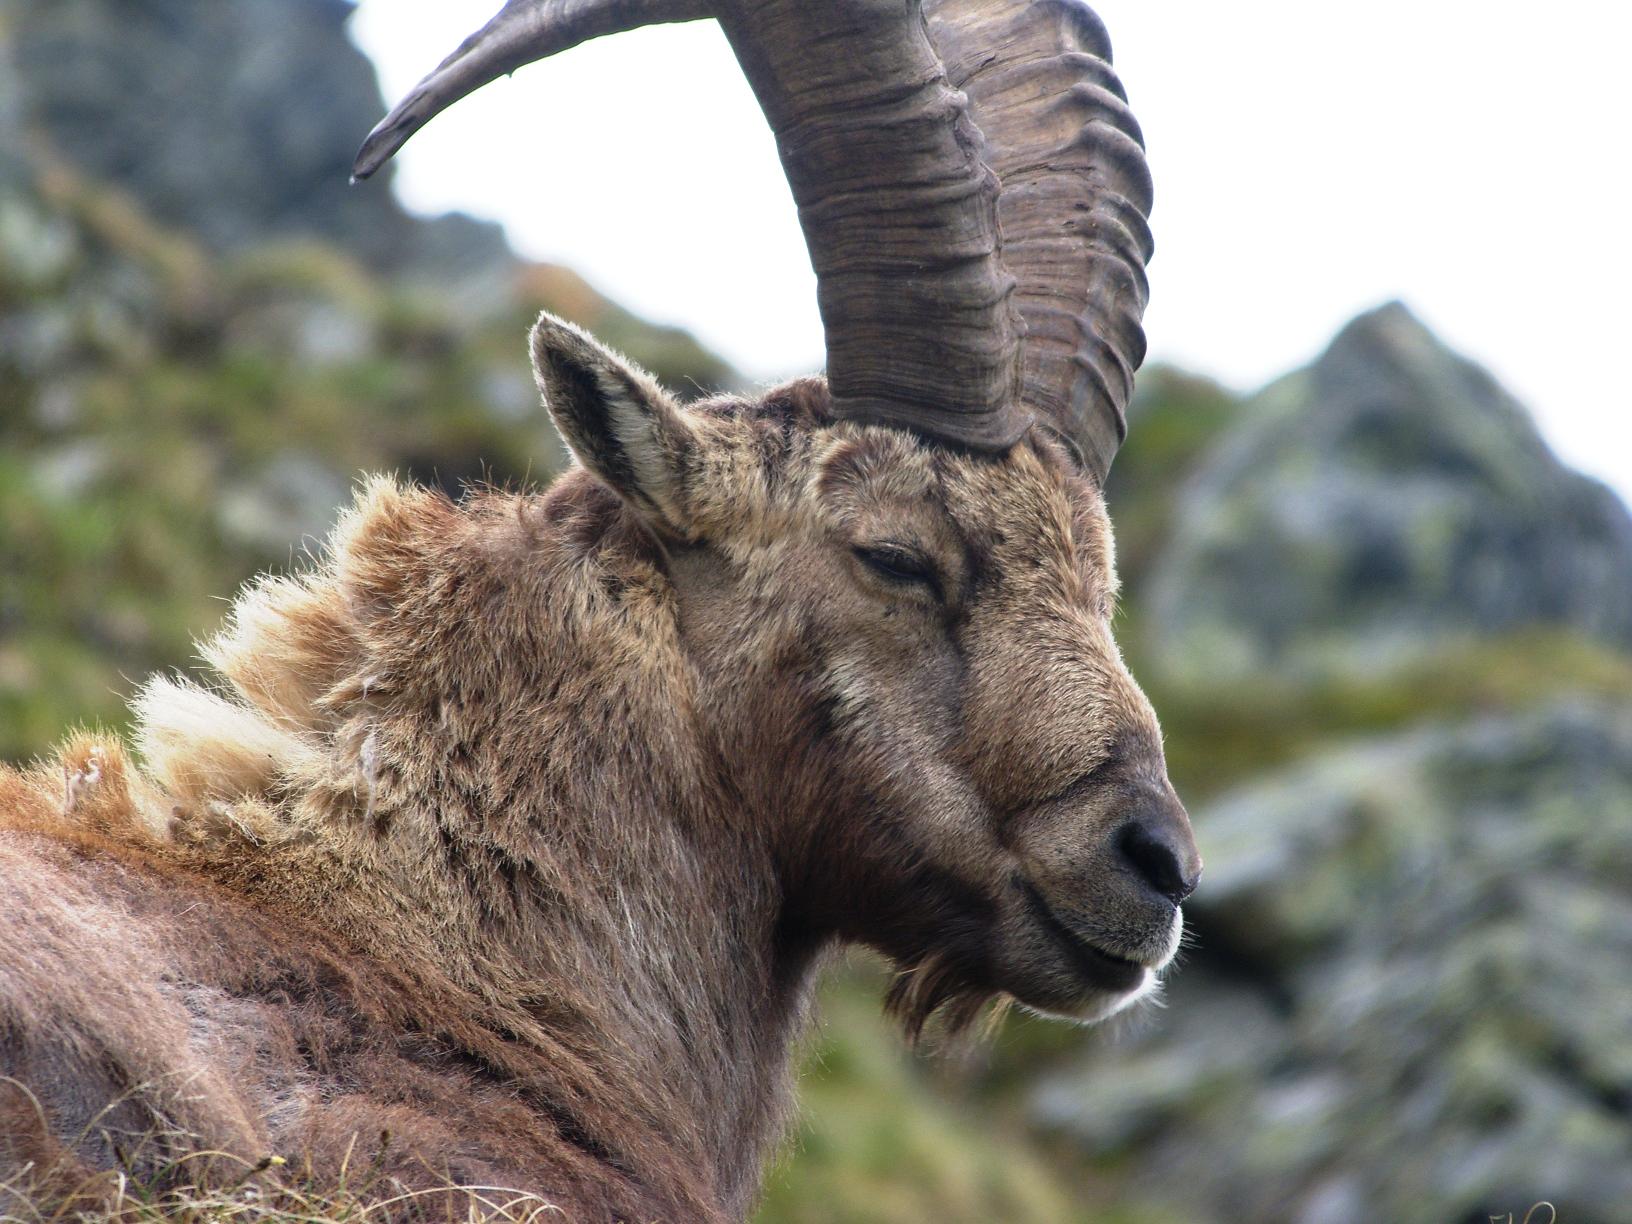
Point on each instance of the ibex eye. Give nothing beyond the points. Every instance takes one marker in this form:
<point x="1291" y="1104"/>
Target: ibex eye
<point x="899" y="565"/>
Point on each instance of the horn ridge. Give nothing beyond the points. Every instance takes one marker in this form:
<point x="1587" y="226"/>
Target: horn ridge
<point x="899" y="211"/>
<point x="1076" y="198"/>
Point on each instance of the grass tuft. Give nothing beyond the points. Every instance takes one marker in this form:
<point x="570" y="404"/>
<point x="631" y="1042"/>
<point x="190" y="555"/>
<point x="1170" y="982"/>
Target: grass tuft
<point x="165" y="1175"/>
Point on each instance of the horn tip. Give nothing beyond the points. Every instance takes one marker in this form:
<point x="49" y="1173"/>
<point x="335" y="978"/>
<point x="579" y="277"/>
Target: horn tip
<point x="389" y="135"/>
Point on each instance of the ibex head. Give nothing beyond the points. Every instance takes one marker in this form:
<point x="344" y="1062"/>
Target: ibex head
<point x="893" y="589"/>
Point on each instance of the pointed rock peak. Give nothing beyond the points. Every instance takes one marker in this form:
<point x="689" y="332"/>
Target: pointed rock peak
<point x="1391" y="319"/>
<point x="1389" y="391"/>
<point x="1392" y="339"/>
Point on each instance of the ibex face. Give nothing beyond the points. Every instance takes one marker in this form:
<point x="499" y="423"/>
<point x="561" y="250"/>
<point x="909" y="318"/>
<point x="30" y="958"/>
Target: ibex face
<point x="903" y="658"/>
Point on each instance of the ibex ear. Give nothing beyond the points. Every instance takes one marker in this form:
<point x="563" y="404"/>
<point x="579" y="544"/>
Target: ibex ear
<point x="615" y="418"/>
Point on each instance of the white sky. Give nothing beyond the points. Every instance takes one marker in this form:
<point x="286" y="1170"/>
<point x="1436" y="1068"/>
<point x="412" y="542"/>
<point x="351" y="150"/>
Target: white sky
<point x="1311" y="160"/>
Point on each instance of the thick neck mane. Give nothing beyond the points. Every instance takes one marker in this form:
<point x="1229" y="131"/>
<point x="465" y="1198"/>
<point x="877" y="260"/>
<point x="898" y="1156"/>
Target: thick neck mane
<point x="466" y="745"/>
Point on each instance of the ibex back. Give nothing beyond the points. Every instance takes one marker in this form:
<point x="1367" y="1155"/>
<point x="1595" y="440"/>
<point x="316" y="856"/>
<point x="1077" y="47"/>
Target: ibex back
<point x="517" y="829"/>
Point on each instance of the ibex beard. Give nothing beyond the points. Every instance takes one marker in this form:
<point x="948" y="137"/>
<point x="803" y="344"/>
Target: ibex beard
<point x="518" y="827"/>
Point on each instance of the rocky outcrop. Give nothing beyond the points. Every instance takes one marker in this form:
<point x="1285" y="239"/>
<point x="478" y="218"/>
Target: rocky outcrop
<point x="1409" y="998"/>
<point x="235" y="120"/>
<point x="1386" y="499"/>
<point x="1407" y="995"/>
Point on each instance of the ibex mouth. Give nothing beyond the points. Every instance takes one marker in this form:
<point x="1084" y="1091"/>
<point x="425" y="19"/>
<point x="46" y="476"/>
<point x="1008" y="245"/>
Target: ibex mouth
<point x="1102" y="969"/>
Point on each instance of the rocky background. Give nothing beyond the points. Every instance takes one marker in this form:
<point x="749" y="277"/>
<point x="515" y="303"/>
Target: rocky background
<point x="1390" y="636"/>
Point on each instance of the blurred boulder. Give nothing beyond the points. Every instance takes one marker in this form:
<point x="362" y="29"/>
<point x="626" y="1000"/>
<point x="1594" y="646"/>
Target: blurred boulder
<point x="1387" y="499"/>
<point x="71" y="469"/>
<point x="1410" y="996"/>
<point x="235" y="120"/>
<point x="289" y="504"/>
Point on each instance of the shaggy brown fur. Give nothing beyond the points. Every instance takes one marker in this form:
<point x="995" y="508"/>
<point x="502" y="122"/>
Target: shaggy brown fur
<point x="517" y="828"/>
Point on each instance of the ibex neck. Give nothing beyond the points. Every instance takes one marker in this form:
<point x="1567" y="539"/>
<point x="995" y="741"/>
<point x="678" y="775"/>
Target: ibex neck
<point x="647" y="972"/>
<point x="541" y="809"/>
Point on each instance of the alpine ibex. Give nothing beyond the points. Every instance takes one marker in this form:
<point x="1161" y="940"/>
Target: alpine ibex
<point x="518" y="827"/>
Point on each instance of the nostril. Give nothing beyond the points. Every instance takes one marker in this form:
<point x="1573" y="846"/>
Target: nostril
<point x="1156" y="862"/>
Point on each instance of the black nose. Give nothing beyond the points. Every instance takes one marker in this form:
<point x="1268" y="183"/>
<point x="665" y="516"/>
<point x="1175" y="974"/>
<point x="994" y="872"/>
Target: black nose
<point x="1161" y="858"/>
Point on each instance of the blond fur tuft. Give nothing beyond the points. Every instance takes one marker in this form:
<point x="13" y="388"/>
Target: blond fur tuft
<point x="201" y="748"/>
<point x="286" y="642"/>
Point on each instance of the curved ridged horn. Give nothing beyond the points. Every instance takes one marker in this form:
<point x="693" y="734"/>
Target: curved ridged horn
<point x="898" y="208"/>
<point x="1076" y="195"/>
